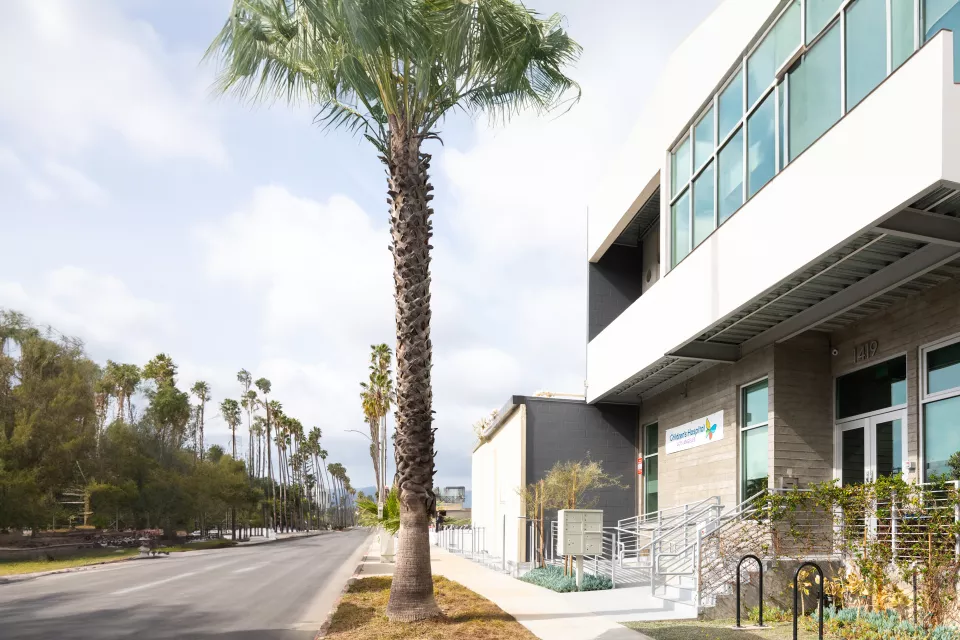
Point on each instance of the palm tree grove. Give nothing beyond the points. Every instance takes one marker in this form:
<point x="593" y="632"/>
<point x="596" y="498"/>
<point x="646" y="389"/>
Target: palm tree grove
<point x="392" y="71"/>
<point x="127" y="440"/>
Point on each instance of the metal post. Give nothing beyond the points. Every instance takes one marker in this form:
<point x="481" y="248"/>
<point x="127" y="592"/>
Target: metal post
<point x="613" y="565"/>
<point x="796" y="594"/>
<point x="914" y="595"/>
<point x="503" y="546"/>
<point x="893" y="525"/>
<point x="956" y="518"/>
<point x="760" y="564"/>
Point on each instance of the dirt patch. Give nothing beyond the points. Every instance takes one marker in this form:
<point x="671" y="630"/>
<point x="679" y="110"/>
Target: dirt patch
<point x="361" y="615"/>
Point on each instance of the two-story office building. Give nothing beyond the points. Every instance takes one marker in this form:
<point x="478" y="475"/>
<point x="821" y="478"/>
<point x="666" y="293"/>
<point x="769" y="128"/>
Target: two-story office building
<point x="775" y="259"/>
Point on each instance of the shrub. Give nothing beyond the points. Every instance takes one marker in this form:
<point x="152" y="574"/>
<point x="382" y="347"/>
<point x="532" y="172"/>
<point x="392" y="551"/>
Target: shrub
<point x="551" y="577"/>
<point x="855" y="624"/>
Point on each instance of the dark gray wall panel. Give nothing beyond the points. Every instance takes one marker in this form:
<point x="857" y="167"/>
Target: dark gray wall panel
<point x="559" y="430"/>
<point x="615" y="283"/>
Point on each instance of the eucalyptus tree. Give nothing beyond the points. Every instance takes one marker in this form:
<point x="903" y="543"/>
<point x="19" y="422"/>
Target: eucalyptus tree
<point x="392" y="71"/>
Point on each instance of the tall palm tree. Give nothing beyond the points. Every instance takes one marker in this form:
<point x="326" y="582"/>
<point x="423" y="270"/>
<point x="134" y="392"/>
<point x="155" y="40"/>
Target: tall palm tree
<point x="247" y="403"/>
<point x="392" y="70"/>
<point x="230" y="410"/>
<point x="202" y="390"/>
<point x="264" y="386"/>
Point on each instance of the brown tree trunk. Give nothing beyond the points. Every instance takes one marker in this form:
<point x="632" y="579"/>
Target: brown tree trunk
<point x="411" y="596"/>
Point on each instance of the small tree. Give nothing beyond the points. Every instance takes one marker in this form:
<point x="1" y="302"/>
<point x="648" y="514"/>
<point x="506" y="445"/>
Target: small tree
<point x="566" y="486"/>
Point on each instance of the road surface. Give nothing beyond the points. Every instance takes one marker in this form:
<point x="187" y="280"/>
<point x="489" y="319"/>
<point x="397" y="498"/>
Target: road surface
<point x="279" y="591"/>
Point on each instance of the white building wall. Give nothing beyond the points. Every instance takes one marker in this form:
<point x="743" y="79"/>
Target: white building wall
<point x="498" y="472"/>
<point x="691" y="74"/>
<point x="902" y="139"/>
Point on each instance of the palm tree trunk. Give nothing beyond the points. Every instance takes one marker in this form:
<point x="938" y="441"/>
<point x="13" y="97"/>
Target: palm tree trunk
<point x="411" y="594"/>
<point x="273" y="494"/>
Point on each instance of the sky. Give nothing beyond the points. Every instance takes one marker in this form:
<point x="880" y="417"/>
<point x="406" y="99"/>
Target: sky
<point x="143" y="214"/>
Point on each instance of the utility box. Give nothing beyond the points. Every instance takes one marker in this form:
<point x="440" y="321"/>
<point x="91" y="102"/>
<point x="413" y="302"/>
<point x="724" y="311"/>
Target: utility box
<point x="580" y="532"/>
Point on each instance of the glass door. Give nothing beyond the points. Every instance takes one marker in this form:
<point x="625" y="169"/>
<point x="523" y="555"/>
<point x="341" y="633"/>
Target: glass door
<point x="872" y="447"/>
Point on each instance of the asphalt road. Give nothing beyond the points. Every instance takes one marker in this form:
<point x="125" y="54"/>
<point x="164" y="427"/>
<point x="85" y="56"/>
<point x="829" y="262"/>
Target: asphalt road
<point x="279" y="591"/>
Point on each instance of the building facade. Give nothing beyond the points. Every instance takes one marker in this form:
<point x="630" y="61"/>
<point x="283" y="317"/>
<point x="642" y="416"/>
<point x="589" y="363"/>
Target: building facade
<point x="775" y="259"/>
<point x="529" y="436"/>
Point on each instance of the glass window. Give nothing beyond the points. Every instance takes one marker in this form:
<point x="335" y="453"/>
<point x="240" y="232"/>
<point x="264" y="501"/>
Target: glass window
<point x="819" y="13"/>
<point x="703" y="218"/>
<point x="939" y="15"/>
<point x="933" y="12"/>
<point x="680" y="217"/>
<point x="815" y="92"/>
<point x="651" y="502"/>
<point x="941" y="433"/>
<point x="650" y="440"/>
<point x="730" y="106"/>
<point x="782" y="40"/>
<point x="943" y="369"/>
<point x="703" y="139"/>
<point x="878" y="387"/>
<point x="889" y="448"/>
<point x="781" y="98"/>
<point x="755" y="407"/>
<point x="730" y="176"/>
<point x="866" y="44"/>
<point x="853" y="457"/>
<point x="680" y="167"/>
<point x="761" y="146"/>
<point x="756" y="468"/>
<point x="902" y="30"/>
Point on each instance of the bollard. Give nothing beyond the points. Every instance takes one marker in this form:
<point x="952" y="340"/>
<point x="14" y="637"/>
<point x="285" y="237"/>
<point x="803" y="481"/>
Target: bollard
<point x="796" y="593"/>
<point x="760" y="564"/>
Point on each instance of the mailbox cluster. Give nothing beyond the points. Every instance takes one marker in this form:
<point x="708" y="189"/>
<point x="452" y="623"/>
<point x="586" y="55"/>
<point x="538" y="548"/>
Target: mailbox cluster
<point x="580" y="532"/>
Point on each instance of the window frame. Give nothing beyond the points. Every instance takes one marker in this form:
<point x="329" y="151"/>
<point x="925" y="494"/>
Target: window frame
<point x="780" y="83"/>
<point x="742" y="429"/>
<point x="867" y="365"/>
<point x="929" y="398"/>
<point x="646" y="456"/>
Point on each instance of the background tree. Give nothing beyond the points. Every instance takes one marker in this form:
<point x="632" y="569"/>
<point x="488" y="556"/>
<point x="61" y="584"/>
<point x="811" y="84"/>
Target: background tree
<point x="264" y="386"/>
<point x="202" y="391"/>
<point x="247" y="402"/>
<point x="376" y="396"/>
<point x="393" y="71"/>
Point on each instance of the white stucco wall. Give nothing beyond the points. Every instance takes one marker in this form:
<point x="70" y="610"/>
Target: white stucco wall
<point x="900" y="140"/>
<point x="497" y="474"/>
<point x="691" y="74"/>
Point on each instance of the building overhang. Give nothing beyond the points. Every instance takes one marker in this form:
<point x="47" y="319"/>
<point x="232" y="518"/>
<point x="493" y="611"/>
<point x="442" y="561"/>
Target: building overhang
<point x="863" y="218"/>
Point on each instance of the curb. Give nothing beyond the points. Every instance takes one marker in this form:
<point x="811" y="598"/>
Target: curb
<point x="336" y="605"/>
<point x="23" y="577"/>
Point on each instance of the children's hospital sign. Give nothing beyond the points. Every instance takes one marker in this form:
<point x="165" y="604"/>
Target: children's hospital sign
<point x="696" y="433"/>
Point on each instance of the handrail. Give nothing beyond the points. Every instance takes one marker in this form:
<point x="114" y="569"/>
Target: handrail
<point x="657" y="516"/>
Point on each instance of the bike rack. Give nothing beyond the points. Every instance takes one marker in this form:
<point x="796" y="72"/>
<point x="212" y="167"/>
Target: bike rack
<point x="796" y="593"/>
<point x="759" y="564"/>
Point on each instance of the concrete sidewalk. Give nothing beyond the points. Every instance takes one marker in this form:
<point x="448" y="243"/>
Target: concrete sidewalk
<point x="549" y="615"/>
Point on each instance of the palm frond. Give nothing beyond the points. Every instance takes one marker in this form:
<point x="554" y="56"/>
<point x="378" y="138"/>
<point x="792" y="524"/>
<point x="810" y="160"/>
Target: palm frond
<point x="371" y="66"/>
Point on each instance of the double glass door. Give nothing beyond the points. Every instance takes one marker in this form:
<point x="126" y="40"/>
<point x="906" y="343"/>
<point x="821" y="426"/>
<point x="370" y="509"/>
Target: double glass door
<point x="872" y="447"/>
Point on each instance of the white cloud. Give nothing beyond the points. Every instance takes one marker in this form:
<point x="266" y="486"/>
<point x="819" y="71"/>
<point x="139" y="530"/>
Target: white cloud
<point x="84" y="70"/>
<point x="76" y="182"/>
<point x="318" y="266"/>
<point x="99" y="309"/>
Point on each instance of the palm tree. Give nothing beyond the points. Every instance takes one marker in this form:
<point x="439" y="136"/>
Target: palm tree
<point x="247" y="401"/>
<point x="230" y="410"/>
<point x="202" y="390"/>
<point x="392" y="71"/>
<point x="264" y="386"/>
<point x="259" y="429"/>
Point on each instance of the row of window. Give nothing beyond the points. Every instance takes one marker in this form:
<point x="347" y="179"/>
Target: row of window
<point x="786" y="92"/>
<point x="865" y="391"/>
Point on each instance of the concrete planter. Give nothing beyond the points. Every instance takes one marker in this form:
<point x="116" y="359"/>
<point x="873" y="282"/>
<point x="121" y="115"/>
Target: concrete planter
<point x="388" y="546"/>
